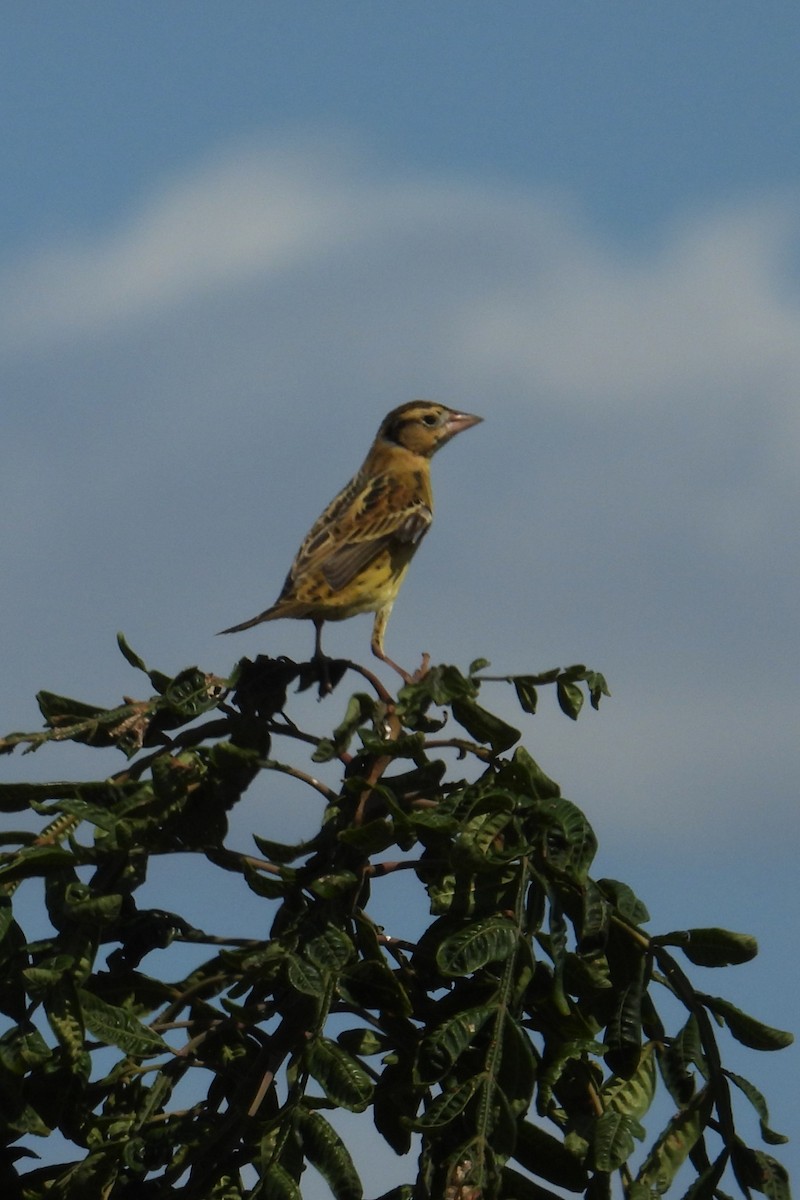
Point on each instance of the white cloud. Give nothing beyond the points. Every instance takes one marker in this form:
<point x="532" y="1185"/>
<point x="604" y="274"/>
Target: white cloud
<point x="239" y="215"/>
<point x="244" y="214"/>
<point x="710" y="308"/>
<point x="517" y="289"/>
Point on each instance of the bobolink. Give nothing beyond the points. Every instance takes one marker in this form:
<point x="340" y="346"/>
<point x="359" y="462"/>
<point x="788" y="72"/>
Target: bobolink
<point x="355" y="556"/>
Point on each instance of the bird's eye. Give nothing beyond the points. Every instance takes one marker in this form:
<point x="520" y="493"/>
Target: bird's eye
<point x="430" y="419"/>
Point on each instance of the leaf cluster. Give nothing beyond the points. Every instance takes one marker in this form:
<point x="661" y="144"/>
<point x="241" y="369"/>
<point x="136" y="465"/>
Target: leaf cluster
<point x="517" y="1040"/>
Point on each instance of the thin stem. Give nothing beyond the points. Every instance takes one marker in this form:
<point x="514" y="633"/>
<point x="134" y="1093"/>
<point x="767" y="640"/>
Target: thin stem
<point x="376" y="870"/>
<point x="272" y="764"/>
<point x="393" y="729"/>
<point x="371" y="678"/>
<point x="463" y="746"/>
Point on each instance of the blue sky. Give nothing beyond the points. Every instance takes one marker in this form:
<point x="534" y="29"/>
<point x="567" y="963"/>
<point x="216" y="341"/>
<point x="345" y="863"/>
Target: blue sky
<point x="639" y="110"/>
<point x="233" y="236"/>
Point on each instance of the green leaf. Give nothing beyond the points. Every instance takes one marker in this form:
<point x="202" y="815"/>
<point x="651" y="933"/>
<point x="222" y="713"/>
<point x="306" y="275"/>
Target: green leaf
<point x="760" y="1105"/>
<point x="747" y="1029"/>
<point x="280" y="852"/>
<point x="447" y="1106"/>
<point x="13" y="962"/>
<point x="17" y="797"/>
<point x="131" y="655"/>
<point x="705" y="1186"/>
<point x="594" y="681"/>
<point x="447" y="1042"/>
<point x="326" y="1151"/>
<point x="542" y="678"/>
<point x="570" y="698"/>
<point x="395" y="1105"/>
<point x="277" y="1184"/>
<point x="477" y="664"/>
<point x="25" y="1119"/>
<point x="592" y="932"/>
<point x="498" y="1122"/>
<point x="560" y="1058"/>
<point x="159" y="680"/>
<point x="440" y="685"/>
<point x="83" y="905"/>
<point x="360" y="708"/>
<point x="557" y="949"/>
<point x="673" y="1146"/>
<point x="712" y="947"/>
<point x="676" y="1058"/>
<point x="484" y="726"/>
<point x="571" y="841"/>
<point x="333" y="886"/>
<point x="634" y="1095"/>
<point x="63" y="710"/>
<point x="19" y="1052"/>
<point x="754" y="1169"/>
<point x="524" y="775"/>
<point x="370" y="838"/>
<point x="344" y="1081"/>
<point x="597" y="686"/>
<point x="373" y="984"/>
<point x="63" y="1010"/>
<point x="330" y="950"/>
<point x="476" y="845"/>
<point x="623" y="1036"/>
<point x="262" y="883"/>
<point x="325" y="751"/>
<point x="117" y="1027"/>
<point x="38" y="979"/>
<point x="613" y="1142"/>
<point x="405" y="745"/>
<point x="526" y="693"/>
<point x="363" y="1041"/>
<point x="304" y="976"/>
<point x="624" y="900"/>
<point x="35" y="860"/>
<point x="226" y="1186"/>
<point x="191" y="693"/>
<point x="517" y="1075"/>
<point x="476" y="944"/>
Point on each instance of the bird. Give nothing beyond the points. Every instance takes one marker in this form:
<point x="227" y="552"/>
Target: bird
<point x="356" y="554"/>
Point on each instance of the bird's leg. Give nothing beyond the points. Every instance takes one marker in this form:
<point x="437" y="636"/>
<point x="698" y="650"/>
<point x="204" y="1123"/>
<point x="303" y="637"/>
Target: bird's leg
<point x="321" y="660"/>
<point x="377" y="647"/>
<point x="318" y="623"/>
<point x="376" y="644"/>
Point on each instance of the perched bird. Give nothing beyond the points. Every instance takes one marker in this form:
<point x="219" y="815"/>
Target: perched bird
<point x="355" y="556"/>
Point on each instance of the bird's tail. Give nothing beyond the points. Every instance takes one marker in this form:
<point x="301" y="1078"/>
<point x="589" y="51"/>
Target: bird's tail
<point x="266" y="615"/>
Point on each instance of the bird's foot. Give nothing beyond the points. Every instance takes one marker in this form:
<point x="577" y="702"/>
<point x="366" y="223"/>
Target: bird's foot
<point x="325" y="672"/>
<point x="419" y="674"/>
<point x="422" y="669"/>
<point x="323" y="665"/>
<point x="379" y="653"/>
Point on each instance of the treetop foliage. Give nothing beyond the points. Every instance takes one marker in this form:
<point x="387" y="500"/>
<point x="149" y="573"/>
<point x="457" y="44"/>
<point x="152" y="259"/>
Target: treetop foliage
<point x="516" y="1045"/>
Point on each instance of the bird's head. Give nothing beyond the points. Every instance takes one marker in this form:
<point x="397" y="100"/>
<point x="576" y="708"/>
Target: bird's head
<point x="422" y="426"/>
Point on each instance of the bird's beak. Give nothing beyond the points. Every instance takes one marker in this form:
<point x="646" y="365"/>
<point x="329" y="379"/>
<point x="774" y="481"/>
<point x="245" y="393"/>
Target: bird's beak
<point x="458" y="421"/>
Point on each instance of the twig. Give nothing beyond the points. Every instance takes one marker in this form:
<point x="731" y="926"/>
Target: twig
<point x="272" y="764"/>
<point x="383" y="695"/>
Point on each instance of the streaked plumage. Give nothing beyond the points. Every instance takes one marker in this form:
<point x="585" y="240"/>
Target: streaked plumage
<point x="355" y="556"/>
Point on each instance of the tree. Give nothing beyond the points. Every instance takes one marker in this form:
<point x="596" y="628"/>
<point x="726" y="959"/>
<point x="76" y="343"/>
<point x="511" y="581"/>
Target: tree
<point x="519" y="1036"/>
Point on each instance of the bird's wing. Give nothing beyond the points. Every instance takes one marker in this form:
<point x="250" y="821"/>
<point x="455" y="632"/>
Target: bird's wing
<point x="345" y="561"/>
<point x="364" y="519"/>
